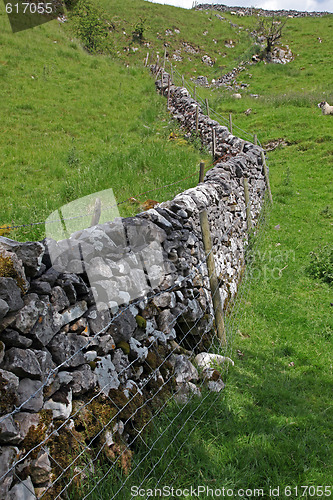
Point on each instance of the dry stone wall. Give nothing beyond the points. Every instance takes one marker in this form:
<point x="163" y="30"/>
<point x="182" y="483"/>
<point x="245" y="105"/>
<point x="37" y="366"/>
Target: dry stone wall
<point x="76" y="375"/>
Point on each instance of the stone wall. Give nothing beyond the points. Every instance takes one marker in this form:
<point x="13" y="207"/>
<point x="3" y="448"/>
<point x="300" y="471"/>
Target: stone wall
<point x="249" y="11"/>
<point x="80" y="379"/>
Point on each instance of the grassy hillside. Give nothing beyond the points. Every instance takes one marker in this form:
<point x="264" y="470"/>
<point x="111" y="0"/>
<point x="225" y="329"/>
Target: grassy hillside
<point x="73" y="124"/>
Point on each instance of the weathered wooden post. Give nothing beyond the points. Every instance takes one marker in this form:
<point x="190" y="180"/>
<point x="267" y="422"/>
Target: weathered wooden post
<point x="164" y="58"/>
<point x="162" y="80"/>
<point x="247" y="204"/>
<point x="168" y="101"/>
<point x="202" y="171"/>
<point x="266" y="176"/>
<point x="207" y="107"/>
<point x="197" y="119"/>
<point x="255" y="139"/>
<point x="97" y="212"/>
<point x="230" y="123"/>
<point x="213" y="143"/>
<point x="213" y="281"/>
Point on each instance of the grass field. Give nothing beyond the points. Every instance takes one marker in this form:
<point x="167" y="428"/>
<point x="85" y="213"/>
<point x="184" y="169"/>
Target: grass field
<point x="80" y="125"/>
<point x="74" y="124"/>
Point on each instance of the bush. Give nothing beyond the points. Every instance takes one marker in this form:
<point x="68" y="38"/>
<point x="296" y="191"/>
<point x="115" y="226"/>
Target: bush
<point x="139" y="30"/>
<point x="321" y="264"/>
<point x="91" y="27"/>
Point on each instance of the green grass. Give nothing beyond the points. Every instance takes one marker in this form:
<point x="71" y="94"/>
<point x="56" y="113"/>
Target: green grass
<point x="74" y="124"/>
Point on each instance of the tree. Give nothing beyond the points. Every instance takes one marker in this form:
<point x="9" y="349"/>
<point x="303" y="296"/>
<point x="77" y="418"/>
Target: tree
<point x="271" y="29"/>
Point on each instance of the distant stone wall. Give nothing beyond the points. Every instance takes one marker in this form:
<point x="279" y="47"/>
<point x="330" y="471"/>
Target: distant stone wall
<point x="77" y="375"/>
<point x="249" y="11"/>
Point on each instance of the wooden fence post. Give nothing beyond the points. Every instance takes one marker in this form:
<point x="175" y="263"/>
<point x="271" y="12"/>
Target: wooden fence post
<point x="214" y="285"/>
<point x="164" y="58"/>
<point x="168" y="101"/>
<point x="97" y="212"/>
<point x="183" y="81"/>
<point x="213" y="143"/>
<point x="162" y="80"/>
<point x="194" y="92"/>
<point x="202" y="171"/>
<point x="207" y="107"/>
<point x="247" y="204"/>
<point x="146" y="60"/>
<point x="266" y="176"/>
<point x="230" y="123"/>
<point x="255" y="139"/>
<point x="197" y="119"/>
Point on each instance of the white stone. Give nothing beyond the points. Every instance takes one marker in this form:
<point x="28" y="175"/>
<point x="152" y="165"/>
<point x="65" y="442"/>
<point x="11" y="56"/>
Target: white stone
<point x="60" y="410"/>
<point x="207" y="360"/>
<point x="107" y="376"/>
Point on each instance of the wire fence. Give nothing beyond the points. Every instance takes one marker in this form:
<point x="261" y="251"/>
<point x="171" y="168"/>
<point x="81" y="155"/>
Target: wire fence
<point x="109" y="443"/>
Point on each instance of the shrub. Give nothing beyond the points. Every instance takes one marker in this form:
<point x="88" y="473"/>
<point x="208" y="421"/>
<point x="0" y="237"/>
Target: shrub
<point x="91" y="27"/>
<point x="139" y="30"/>
<point x="321" y="264"/>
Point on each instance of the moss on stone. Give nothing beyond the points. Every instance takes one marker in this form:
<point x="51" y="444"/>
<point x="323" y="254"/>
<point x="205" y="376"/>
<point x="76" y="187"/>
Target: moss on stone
<point x="8" y="399"/>
<point x="8" y="270"/>
<point x="141" y="322"/>
<point x="124" y="346"/>
<point x="37" y="434"/>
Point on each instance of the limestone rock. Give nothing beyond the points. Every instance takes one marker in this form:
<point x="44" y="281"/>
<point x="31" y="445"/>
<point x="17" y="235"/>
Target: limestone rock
<point x="4" y="308"/>
<point x="25" y="421"/>
<point x="106" y="374"/>
<point x="9" y="432"/>
<point x="30" y="395"/>
<point x="30" y="253"/>
<point x="59" y="299"/>
<point x="72" y="313"/>
<point x="8" y="456"/>
<point x="22" y="491"/>
<point x="40" y="468"/>
<point x="12" y="338"/>
<point x="36" y="318"/>
<point x="10" y="293"/>
<point x="8" y="391"/>
<point x="122" y="327"/>
<point x="213" y="379"/>
<point x="207" y="360"/>
<point x="166" y="321"/>
<point x="60" y="404"/>
<point x="22" y="362"/>
<point x="185" y="392"/>
<point x="183" y="369"/>
<point x="67" y="348"/>
<point x="11" y="267"/>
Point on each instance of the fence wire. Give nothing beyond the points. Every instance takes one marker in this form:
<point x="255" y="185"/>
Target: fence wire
<point x="120" y="447"/>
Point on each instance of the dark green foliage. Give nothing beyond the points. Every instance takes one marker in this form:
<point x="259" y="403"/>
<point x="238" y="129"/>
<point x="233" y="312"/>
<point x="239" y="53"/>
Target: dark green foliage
<point x="321" y="264"/>
<point x="91" y="27"/>
<point x="139" y="29"/>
